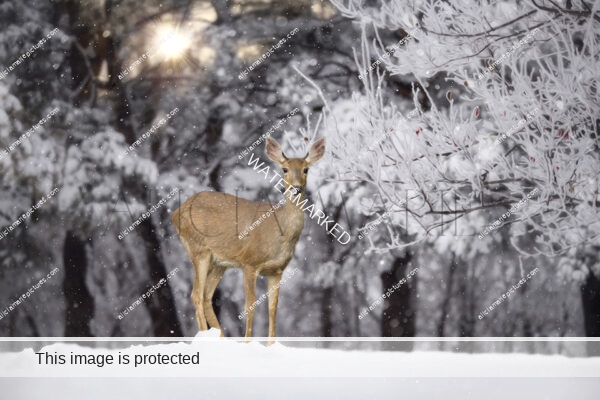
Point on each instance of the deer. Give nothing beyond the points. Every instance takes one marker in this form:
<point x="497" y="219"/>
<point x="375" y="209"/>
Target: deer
<point x="208" y="224"/>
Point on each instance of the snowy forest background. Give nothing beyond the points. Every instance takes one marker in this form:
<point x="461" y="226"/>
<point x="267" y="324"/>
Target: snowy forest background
<point x="427" y="173"/>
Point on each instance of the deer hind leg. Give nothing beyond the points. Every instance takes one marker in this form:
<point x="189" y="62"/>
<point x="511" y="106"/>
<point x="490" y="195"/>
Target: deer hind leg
<point x="201" y="266"/>
<point x="250" y="294"/>
<point x="212" y="281"/>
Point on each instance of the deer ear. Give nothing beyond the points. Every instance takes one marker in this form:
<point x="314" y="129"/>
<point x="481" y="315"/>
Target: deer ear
<point x="273" y="150"/>
<point x="317" y="150"/>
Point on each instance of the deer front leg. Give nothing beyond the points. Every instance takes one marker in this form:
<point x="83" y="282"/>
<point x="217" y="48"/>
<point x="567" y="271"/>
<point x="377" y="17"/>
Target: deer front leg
<point x="273" y="283"/>
<point x="250" y="294"/>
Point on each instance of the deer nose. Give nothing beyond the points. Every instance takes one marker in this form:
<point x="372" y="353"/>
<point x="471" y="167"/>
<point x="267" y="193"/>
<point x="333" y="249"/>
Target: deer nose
<point x="298" y="189"/>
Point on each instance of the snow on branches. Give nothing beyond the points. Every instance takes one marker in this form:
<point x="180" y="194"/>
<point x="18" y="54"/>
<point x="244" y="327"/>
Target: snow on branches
<point x="508" y="98"/>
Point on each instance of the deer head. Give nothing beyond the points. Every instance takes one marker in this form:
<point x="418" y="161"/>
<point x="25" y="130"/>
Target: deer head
<point x="295" y="170"/>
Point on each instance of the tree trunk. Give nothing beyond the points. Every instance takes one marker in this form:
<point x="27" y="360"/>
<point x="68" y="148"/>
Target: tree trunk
<point x="161" y="305"/>
<point x="326" y="305"/>
<point x="441" y="328"/>
<point x="328" y="292"/>
<point x="466" y="321"/>
<point x="79" y="301"/>
<point x="218" y="298"/>
<point x="398" y="316"/>
<point x="590" y="299"/>
<point x="466" y="306"/>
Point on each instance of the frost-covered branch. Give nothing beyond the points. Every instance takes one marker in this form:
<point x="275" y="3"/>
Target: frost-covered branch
<point x="507" y="101"/>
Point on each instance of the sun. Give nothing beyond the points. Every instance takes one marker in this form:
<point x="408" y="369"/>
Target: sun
<point x="170" y="43"/>
<point x="176" y="46"/>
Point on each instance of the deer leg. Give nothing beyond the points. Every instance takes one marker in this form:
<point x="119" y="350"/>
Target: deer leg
<point x="214" y="277"/>
<point x="201" y="266"/>
<point x="250" y="294"/>
<point x="273" y="283"/>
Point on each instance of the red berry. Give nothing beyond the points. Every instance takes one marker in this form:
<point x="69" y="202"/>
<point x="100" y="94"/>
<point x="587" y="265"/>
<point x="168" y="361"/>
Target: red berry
<point x="532" y="159"/>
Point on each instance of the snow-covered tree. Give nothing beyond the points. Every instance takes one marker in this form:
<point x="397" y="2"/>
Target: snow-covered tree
<point x="505" y="131"/>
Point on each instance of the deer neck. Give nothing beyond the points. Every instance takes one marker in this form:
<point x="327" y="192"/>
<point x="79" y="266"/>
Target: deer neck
<point x="294" y="215"/>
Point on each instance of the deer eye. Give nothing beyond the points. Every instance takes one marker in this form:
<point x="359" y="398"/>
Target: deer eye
<point x="285" y="170"/>
<point x="306" y="170"/>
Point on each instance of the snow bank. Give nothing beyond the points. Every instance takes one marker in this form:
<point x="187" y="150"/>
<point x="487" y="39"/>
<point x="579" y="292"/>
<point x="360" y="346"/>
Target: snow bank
<point x="226" y="369"/>
<point x="218" y="357"/>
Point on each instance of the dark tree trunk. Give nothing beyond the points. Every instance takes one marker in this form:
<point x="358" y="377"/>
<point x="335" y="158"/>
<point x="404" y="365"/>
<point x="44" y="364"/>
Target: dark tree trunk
<point x="218" y="298"/>
<point x="590" y="299"/>
<point x="31" y="322"/>
<point x="466" y="321"/>
<point x="328" y="292"/>
<point x="12" y="324"/>
<point x="441" y="328"/>
<point x="161" y="305"/>
<point x="326" y="306"/>
<point x="79" y="301"/>
<point x="398" y="316"/>
<point x="466" y="305"/>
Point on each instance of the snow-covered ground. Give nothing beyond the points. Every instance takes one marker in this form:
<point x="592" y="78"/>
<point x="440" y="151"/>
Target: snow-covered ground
<point x="300" y="388"/>
<point x="228" y="369"/>
<point x="227" y="358"/>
